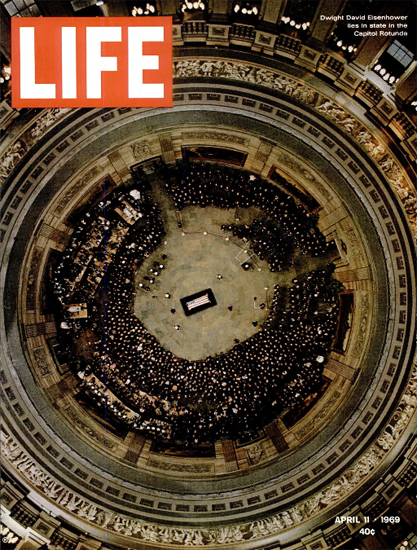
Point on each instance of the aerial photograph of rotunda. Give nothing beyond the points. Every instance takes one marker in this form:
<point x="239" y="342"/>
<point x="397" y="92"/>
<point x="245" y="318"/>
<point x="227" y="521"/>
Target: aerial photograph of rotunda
<point x="208" y="321"/>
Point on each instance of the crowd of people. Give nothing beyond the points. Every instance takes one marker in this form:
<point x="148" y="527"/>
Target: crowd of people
<point x="197" y="184"/>
<point x="232" y="394"/>
<point x="268" y="241"/>
<point x="94" y="245"/>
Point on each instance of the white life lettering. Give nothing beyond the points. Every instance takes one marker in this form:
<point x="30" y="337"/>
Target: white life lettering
<point x="28" y="87"/>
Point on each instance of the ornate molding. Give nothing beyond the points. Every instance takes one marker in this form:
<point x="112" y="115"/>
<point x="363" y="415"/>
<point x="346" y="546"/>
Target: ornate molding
<point x="216" y="68"/>
<point x="14" y="154"/>
<point x="84" y="427"/>
<point x="346" y="121"/>
<point x="331" y="495"/>
<point x="318" y="418"/>
<point x="306" y="174"/>
<point x="75" y="189"/>
<point x="363" y="316"/>
<point x="188" y="468"/>
<point x="214" y="136"/>
<point x="141" y="149"/>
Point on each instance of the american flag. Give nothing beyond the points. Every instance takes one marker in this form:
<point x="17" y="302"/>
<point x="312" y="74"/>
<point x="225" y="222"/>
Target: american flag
<point x="198" y="302"/>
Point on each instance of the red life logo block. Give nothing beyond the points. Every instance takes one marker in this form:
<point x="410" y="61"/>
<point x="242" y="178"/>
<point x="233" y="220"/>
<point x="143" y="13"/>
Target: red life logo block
<point x="91" y="62"/>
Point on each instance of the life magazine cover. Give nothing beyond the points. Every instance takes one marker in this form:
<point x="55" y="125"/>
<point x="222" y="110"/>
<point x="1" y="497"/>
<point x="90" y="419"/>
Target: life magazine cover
<point x="208" y="275"/>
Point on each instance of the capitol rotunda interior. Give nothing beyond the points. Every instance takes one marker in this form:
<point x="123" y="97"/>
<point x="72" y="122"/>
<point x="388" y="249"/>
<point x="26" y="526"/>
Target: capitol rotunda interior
<point x="208" y="310"/>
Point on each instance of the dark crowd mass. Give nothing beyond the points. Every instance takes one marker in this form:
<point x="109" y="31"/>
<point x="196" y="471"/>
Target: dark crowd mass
<point x="146" y="387"/>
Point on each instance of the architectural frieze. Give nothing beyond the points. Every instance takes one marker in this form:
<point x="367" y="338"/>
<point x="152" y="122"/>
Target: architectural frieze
<point x="328" y="497"/>
<point x="30" y="136"/>
<point x="296" y="89"/>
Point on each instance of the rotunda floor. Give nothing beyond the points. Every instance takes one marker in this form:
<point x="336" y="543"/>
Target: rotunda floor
<point x="196" y="254"/>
